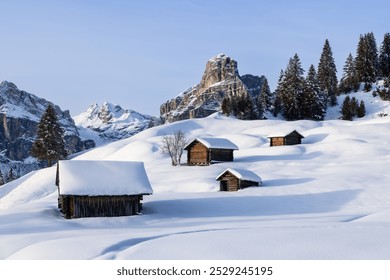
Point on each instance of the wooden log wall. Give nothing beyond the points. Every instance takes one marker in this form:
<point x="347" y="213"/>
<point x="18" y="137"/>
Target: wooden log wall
<point x="277" y="141"/>
<point x="245" y="184"/>
<point x="231" y="182"/>
<point x="221" y="155"/>
<point x="293" y="140"/>
<point x="198" y="154"/>
<point x="99" y="206"/>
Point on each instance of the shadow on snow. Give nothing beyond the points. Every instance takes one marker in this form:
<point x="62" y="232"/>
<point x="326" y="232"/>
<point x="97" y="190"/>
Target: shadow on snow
<point x="249" y="206"/>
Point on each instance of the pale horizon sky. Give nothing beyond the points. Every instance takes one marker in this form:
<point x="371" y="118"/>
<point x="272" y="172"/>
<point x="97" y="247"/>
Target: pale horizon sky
<point x="139" y="54"/>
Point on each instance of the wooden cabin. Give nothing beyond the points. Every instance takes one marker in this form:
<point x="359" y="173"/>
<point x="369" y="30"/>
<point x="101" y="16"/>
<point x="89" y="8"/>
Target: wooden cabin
<point x="236" y="179"/>
<point x="282" y="139"/>
<point x="101" y="188"/>
<point x="204" y="151"/>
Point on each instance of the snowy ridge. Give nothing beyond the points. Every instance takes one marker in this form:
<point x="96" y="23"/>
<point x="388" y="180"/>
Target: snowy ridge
<point x="10" y="110"/>
<point x="15" y="103"/>
<point x="110" y="122"/>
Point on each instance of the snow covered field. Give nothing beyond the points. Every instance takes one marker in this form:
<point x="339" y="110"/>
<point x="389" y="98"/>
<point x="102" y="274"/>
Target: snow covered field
<point x="328" y="198"/>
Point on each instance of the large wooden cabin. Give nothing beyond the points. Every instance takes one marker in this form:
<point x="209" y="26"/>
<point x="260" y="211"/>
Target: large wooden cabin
<point x="101" y="188"/>
<point x="236" y="179"/>
<point x="282" y="139"/>
<point x="204" y="151"/>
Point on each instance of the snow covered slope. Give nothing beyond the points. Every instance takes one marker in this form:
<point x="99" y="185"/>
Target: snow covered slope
<point x="109" y="122"/>
<point x="375" y="107"/>
<point x="327" y="198"/>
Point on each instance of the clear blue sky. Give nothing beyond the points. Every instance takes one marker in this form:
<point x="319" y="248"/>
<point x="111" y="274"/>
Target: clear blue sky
<point x="141" y="53"/>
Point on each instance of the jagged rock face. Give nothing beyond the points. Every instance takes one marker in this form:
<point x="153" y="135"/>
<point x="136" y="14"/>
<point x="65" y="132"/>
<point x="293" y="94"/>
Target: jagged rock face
<point x="220" y="79"/>
<point x="16" y="137"/>
<point x="218" y="69"/>
<point x="20" y="113"/>
<point x="109" y="122"/>
<point x="253" y="83"/>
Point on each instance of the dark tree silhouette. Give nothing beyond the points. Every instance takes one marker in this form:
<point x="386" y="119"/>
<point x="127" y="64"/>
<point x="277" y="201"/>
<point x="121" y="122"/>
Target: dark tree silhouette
<point x="49" y="144"/>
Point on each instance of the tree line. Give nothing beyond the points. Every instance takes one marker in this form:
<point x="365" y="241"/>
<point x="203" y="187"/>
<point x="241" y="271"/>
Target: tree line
<point x="307" y="97"/>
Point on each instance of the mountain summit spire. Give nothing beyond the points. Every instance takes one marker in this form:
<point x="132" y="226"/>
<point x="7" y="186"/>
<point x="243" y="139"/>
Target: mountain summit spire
<point x="220" y="79"/>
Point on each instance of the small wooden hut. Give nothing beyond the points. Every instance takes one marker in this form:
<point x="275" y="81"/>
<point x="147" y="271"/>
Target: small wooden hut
<point x="101" y="188"/>
<point x="282" y="139"/>
<point x="236" y="179"/>
<point x="204" y="151"/>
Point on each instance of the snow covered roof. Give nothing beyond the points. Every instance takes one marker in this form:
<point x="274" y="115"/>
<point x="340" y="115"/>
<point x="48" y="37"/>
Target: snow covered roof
<point x="89" y="177"/>
<point x="283" y="133"/>
<point x="242" y="174"/>
<point x="216" y="143"/>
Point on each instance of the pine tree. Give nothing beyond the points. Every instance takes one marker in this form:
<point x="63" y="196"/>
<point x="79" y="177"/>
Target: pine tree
<point x="2" y="181"/>
<point x="240" y="106"/>
<point x="49" y="144"/>
<point x="245" y="110"/>
<point x="264" y="100"/>
<point x="327" y="78"/>
<point x="361" y="59"/>
<point x="367" y="60"/>
<point x="346" y="109"/>
<point x="11" y="176"/>
<point x="361" y="111"/>
<point x="353" y="106"/>
<point x="312" y="106"/>
<point x="373" y="52"/>
<point x="233" y="105"/>
<point x="226" y="106"/>
<point x="384" y="57"/>
<point x="277" y="102"/>
<point x="258" y="107"/>
<point x="349" y="80"/>
<point x="292" y="89"/>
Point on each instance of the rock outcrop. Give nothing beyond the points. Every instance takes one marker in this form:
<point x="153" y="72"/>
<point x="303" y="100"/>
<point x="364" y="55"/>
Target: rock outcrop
<point x="220" y="79"/>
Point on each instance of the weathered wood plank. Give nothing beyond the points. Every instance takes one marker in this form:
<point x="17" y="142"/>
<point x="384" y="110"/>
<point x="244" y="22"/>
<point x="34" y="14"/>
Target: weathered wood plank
<point x="76" y="206"/>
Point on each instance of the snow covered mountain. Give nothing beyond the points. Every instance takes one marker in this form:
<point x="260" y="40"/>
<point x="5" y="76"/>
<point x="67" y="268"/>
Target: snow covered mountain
<point x="110" y="122"/>
<point x="327" y="198"/>
<point x="20" y="113"/>
<point x="220" y="79"/>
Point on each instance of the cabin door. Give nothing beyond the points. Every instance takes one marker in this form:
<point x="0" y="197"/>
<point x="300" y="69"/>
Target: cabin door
<point x="223" y="186"/>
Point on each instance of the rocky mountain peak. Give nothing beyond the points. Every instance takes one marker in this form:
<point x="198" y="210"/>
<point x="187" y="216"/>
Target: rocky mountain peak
<point x="218" y="69"/>
<point x="220" y="79"/>
<point x="8" y="85"/>
<point x="110" y="122"/>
